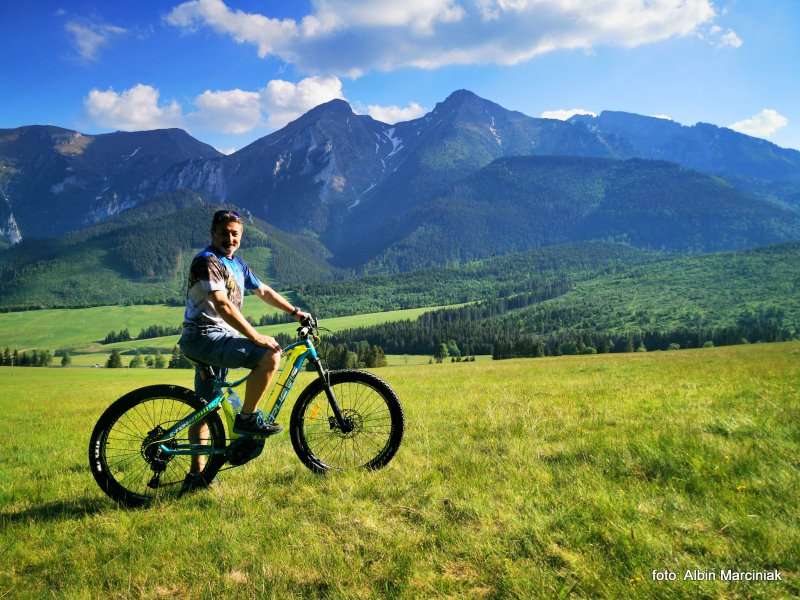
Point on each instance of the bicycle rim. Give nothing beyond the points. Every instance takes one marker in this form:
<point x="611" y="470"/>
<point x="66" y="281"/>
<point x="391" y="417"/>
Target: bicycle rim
<point x="125" y="462"/>
<point x="371" y="407"/>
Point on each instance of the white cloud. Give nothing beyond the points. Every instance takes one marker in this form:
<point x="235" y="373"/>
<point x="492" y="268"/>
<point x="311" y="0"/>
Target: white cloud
<point x="231" y="111"/>
<point x="662" y="116"/>
<point x="222" y="111"/>
<point x="134" y="109"/>
<point x="763" y="125"/>
<point x="350" y="37"/>
<point x="267" y="34"/>
<point x="395" y="114"/>
<point x="565" y="113"/>
<point x="418" y="15"/>
<point x="730" y="40"/>
<point x="227" y="151"/>
<point x="720" y="38"/>
<point x="89" y="37"/>
<point x="284" y="101"/>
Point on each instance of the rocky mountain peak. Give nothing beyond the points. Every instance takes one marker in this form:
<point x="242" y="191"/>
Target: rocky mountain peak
<point x="335" y="109"/>
<point x="458" y="97"/>
<point x="468" y="106"/>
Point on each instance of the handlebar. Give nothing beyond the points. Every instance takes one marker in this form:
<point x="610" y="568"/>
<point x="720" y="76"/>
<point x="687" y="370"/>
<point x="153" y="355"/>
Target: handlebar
<point x="308" y="326"/>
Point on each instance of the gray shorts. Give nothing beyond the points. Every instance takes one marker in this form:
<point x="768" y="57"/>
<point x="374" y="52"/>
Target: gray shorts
<point x="220" y="347"/>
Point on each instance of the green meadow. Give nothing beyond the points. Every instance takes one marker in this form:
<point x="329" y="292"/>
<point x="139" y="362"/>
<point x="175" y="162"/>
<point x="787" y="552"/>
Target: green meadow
<point x="77" y="327"/>
<point x="573" y="476"/>
<point x="81" y="328"/>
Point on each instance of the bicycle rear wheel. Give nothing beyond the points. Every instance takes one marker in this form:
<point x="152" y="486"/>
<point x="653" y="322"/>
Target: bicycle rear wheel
<point x="368" y="403"/>
<point x="122" y="456"/>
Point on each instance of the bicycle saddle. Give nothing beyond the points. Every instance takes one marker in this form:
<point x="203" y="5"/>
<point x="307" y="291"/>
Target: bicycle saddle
<point x="206" y="370"/>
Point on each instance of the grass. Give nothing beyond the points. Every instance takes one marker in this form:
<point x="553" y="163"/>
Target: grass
<point x="165" y="344"/>
<point x="80" y="328"/>
<point x="77" y="327"/>
<point x="516" y="479"/>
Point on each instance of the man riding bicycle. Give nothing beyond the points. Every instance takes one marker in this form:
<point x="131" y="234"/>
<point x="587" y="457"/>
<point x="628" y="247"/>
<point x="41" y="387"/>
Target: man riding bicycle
<point x="343" y="419"/>
<point x="216" y="332"/>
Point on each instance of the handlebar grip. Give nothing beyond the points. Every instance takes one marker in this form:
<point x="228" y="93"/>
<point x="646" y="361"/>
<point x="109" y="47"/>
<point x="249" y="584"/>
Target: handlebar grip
<point x="308" y="326"/>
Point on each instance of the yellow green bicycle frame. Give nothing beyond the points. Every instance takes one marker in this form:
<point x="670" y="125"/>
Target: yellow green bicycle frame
<point x="295" y="355"/>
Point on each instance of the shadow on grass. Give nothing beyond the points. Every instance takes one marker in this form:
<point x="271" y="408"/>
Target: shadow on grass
<point x="61" y="510"/>
<point x="282" y="478"/>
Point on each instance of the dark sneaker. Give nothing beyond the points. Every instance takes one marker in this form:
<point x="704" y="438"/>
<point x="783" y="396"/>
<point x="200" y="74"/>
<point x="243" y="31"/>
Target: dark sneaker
<point x="254" y="424"/>
<point x="192" y="482"/>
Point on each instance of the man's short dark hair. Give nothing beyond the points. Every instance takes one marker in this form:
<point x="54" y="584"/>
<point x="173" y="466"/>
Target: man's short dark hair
<point x="225" y="216"/>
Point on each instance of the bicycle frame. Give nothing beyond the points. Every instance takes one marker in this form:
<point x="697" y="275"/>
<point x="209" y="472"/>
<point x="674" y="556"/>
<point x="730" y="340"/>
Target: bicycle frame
<point x="295" y="354"/>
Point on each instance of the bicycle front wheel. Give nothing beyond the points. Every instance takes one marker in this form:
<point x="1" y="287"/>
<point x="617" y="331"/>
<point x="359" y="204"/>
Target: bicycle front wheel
<point x="367" y="403"/>
<point x="124" y="460"/>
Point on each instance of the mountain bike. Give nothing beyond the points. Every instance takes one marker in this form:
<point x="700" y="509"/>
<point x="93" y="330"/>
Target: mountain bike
<point x="143" y="445"/>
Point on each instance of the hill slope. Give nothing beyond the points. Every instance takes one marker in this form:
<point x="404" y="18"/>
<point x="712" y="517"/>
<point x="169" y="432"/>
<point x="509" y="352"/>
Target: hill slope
<point x="141" y="256"/>
<point x="701" y="291"/>
<point x="753" y="294"/>
<point x="553" y="267"/>
<point x="54" y="180"/>
<point x="518" y="203"/>
<point x="750" y="161"/>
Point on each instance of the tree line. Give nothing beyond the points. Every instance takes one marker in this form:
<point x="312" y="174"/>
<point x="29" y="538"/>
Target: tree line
<point x="152" y="331"/>
<point x="156" y="361"/>
<point x="489" y="329"/>
<point x="471" y="327"/>
<point x="26" y="358"/>
<point x="357" y="355"/>
<point x="273" y="319"/>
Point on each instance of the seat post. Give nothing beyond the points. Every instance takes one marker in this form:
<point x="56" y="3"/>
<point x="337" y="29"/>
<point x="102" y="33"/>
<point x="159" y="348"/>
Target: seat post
<point x="205" y="375"/>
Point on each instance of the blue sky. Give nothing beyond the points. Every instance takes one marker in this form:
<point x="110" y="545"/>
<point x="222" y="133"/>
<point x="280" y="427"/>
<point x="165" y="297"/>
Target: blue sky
<point x="231" y="71"/>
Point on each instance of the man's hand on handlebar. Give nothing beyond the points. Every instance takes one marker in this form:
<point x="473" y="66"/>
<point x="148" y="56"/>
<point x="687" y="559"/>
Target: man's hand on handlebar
<point x="302" y="316"/>
<point x="308" y="327"/>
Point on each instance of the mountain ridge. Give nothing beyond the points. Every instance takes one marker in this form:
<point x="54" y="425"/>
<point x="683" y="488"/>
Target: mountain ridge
<point x="353" y="167"/>
<point x="54" y="179"/>
<point x="348" y="179"/>
<point x="518" y="203"/>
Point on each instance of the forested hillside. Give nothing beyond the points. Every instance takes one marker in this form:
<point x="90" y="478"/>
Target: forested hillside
<point x="142" y="255"/>
<point x="477" y="280"/>
<point x="470" y="180"/>
<point x="719" y="298"/>
<point x="519" y="203"/>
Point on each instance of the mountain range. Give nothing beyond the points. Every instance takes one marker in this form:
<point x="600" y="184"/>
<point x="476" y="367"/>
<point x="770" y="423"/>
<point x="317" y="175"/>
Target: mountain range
<point x="469" y="179"/>
<point x="514" y="201"/>
<point x="54" y="180"/>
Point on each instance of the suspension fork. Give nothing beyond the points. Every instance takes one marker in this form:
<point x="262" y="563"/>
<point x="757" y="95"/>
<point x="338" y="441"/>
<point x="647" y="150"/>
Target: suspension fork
<point x="344" y="424"/>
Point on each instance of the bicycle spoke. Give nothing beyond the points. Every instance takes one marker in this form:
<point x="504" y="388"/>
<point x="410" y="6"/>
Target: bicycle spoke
<point x="365" y="407"/>
<point x="130" y="439"/>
